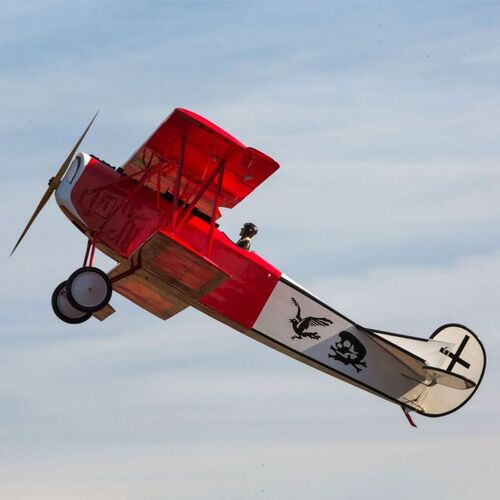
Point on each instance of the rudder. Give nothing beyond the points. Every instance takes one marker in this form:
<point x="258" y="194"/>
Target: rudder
<point x="463" y="358"/>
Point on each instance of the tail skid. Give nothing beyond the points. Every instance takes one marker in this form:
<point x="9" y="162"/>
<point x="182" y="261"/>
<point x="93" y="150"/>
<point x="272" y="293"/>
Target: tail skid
<point x="406" y="411"/>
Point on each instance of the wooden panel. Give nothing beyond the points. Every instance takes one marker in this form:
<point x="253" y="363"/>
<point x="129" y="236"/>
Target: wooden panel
<point x="144" y="290"/>
<point x="104" y="313"/>
<point x="171" y="278"/>
<point x="180" y="267"/>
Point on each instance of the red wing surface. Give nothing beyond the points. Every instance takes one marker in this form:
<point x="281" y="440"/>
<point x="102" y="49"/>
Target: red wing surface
<point x="205" y="147"/>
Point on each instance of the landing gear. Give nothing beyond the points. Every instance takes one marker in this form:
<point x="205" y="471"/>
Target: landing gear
<point x="89" y="289"/>
<point x="64" y="310"/>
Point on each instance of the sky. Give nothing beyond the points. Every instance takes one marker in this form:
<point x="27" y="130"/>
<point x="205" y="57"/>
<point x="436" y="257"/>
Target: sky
<point x="384" y="119"/>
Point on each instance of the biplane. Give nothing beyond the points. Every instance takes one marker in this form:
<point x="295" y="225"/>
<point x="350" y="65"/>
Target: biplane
<point x="157" y="217"/>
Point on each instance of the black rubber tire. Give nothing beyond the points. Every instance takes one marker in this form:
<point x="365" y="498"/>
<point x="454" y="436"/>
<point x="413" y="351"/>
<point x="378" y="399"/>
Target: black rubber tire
<point x="57" y="310"/>
<point x="102" y="303"/>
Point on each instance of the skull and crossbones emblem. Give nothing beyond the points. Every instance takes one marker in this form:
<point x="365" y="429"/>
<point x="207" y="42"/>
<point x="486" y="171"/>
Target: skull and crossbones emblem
<point x="349" y="351"/>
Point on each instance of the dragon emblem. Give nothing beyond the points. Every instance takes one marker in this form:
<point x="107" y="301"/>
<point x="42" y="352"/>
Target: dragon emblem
<point x="303" y="326"/>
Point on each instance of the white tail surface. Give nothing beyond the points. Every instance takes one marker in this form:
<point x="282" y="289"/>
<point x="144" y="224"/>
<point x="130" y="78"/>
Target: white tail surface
<point x="459" y="372"/>
<point x="430" y="376"/>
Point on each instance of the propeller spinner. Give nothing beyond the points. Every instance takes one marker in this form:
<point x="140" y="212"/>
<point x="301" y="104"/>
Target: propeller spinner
<point x="53" y="183"/>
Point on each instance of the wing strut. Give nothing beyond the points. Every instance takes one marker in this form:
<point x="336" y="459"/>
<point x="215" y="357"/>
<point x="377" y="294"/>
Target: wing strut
<point x="214" y="209"/>
<point x="178" y="182"/>
<point x="181" y="209"/>
<point x="184" y="213"/>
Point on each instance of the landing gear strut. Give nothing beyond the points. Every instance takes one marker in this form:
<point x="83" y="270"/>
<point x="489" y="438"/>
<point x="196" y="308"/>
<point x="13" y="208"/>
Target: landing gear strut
<point x="86" y="291"/>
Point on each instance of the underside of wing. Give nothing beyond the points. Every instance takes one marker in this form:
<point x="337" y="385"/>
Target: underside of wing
<point x="166" y="276"/>
<point x="153" y="297"/>
<point x="188" y="149"/>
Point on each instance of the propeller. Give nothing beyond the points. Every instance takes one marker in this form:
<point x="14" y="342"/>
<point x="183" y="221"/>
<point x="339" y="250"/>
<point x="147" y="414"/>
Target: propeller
<point x="53" y="183"/>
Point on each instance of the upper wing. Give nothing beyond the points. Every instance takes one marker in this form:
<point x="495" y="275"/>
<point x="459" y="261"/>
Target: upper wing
<point x="205" y="146"/>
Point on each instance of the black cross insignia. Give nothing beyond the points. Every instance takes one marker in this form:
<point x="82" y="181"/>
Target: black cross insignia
<point x="455" y="357"/>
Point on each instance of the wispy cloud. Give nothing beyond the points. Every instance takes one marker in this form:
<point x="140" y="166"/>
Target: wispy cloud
<point x="384" y="118"/>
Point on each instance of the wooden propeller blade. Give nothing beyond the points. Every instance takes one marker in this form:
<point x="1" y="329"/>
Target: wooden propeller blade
<point x="54" y="182"/>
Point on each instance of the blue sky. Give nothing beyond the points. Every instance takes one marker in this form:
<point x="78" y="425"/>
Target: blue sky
<point x="384" y="118"/>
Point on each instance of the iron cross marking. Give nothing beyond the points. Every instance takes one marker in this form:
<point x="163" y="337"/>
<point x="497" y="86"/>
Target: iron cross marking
<point x="455" y="357"/>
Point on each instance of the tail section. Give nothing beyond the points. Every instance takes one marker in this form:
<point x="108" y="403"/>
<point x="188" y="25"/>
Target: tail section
<point x="433" y="376"/>
<point x="451" y="367"/>
<point x="459" y="373"/>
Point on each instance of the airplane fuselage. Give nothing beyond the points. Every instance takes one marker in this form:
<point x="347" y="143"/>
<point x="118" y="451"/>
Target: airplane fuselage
<point x="165" y="268"/>
<point x="123" y="215"/>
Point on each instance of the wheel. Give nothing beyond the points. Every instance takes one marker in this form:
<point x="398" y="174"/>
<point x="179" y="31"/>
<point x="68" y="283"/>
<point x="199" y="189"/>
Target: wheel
<point x="63" y="309"/>
<point x="89" y="289"/>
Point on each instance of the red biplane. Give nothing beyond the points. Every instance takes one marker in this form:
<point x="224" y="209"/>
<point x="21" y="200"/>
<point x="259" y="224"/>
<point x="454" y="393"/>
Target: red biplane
<point x="156" y="216"/>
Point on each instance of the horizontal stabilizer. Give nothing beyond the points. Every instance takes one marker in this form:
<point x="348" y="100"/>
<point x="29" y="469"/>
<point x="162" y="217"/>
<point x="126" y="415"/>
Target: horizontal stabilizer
<point x="453" y="367"/>
<point x="413" y="361"/>
<point x="453" y="380"/>
<point x="416" y="360"/>
<point x="460" y="372"/>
